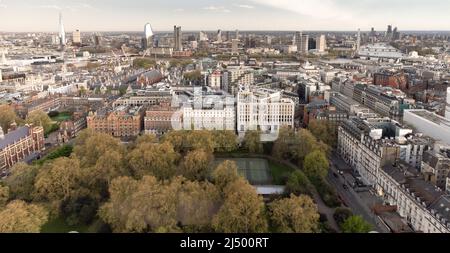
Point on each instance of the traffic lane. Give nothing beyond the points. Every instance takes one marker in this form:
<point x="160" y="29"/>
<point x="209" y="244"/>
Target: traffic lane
<point x="354" y="202"/>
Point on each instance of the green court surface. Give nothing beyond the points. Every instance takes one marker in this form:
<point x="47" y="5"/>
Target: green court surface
<point x="256" y="170"/>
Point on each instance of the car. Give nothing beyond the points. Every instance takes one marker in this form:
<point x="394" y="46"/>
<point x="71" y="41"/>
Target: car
<point x="341" y="172"/>
<point x="345" y="186"/>
<point x="334" y="174"/>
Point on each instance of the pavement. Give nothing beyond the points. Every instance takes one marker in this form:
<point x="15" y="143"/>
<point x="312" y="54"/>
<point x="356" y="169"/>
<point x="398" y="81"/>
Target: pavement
<point x="359" y="202"/>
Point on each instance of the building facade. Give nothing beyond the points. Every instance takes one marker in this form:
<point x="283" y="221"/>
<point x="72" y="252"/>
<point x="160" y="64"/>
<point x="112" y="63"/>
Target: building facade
<point x="121" y="122"/>
<point x="18" y="145"/>
<point x="264" y="112"/>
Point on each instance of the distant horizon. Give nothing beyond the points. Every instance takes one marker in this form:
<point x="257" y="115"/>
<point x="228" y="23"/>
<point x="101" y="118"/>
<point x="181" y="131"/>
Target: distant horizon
<point x="223" y="30"/>
<point x="209" y="15"/>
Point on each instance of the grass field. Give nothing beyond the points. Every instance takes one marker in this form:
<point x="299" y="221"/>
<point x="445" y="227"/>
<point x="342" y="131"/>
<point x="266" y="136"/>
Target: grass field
<point x="60" y="226"/>
<point x="62" y="116"/>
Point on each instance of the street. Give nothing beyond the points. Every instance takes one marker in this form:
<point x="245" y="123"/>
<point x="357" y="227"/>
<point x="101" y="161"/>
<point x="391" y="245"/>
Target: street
<point x="359" y="203"/>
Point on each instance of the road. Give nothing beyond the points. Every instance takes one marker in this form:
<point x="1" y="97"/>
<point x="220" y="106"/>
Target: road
<point x="352" y="199"/>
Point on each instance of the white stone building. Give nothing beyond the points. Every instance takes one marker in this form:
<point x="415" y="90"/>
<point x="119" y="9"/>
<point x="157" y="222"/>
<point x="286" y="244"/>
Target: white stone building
<point x="263" y="111"/>
<point x="425" y="208"/>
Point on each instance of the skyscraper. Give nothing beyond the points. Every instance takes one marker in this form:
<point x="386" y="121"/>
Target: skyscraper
<point x="147" y="41"/>
<point x="219" y="36"/>
<point x="358" y="40"/>
<point x="62" y="32"/>
<point x="76" y="37"/>
<point x="203" y="36"/>
<point x="321" y="43"/>
<point x="237" y="34"/>
<point x="178" y="46"/>
<point x="302" y="42"/>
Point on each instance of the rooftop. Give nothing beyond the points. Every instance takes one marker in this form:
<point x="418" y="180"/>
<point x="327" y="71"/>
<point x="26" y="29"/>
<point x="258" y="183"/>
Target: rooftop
<point x="14" y="136"/>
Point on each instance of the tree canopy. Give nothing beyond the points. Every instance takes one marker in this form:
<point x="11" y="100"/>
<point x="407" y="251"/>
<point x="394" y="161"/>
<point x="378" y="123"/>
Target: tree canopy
<point x="356" y="224"/>
<point x="242" y="210"/>
<point x="297" y="214"/>
<point x="20" y="217"/>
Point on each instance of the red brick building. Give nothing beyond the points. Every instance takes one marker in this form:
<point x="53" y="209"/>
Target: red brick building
<point x="19" y="144"/>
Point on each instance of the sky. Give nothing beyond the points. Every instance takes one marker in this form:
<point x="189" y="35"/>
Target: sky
<point x="288" y="15"/>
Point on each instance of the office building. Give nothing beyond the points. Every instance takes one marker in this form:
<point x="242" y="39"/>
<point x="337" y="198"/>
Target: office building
<point x="160" y="119"/>
<point x="211" y="112"/>
<point x="430" y="124"/>
<point x="263" y="111"/>
<point x="147" y="40"/>
<point x="123" y="121"/>
<point x="321" y="43"/>
<point x="76" y="37"/>
<point x="62" y="32"/>
<point x="178" y="38"/>
<point x="302" y="42"/>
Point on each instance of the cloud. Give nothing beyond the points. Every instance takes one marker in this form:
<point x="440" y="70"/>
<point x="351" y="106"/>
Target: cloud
<point x="245" y="6"/>
<point x="216" y="9"/>
<point x="3" y="6"/>
<point x="324" y="9"/>
<point x="55" y="7"/>
<point x="179" y="10"/>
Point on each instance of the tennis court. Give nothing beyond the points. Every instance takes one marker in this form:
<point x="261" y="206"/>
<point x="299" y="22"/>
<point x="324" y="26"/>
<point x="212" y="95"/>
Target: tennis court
<point x="256" y="170"/>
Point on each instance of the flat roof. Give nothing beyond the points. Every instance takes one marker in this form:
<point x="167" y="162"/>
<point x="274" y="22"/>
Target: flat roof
<point x="430" y="116"/>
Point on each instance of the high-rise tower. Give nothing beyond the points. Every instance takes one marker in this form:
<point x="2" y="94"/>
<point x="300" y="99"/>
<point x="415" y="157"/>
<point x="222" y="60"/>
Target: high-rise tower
<point x="62" y="32"/>
<point x="358" y="41"/>
<point x="147" y="41"/>
<point x="177" y="38"/>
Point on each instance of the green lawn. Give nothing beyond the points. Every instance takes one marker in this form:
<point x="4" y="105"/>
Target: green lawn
<point x="279" y="173"/>
<point x="62" y="116"/>
<point x="60" y="226"/>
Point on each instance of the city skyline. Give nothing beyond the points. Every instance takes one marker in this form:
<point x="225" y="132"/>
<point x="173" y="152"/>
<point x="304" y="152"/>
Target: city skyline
<point x="287" y="15"/>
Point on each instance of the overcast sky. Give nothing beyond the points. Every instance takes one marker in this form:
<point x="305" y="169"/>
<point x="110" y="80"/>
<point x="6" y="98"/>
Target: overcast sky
<point x="131" y="15"/>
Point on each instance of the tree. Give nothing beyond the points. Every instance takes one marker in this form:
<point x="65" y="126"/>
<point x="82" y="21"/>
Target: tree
<point x="21" y="181"/>
<point x="7" y="117"/>
<point x="242" y="210"/>
<point x="200" y="140"/>
<point x="195" y="75"/>
<point x="356" y="224"/>
<point x="196" y="165"/>
<point x="225" y="141"/>
<point x="323" y="130"/>
<point x="297" y="214"/>
<point x="316" y="165"/>
<point x="158" y="160"/>
<point x="225" y="174"/>
<point x="252" y="142"/>
<point x="148" y="205"/>
<point x="282" y="146"/>
<point x="40" y="118"/>
<point x="341" y="215"/>
<point x="144" y="63"/>
<point x="4" y="196"/>
<point x="197" y="203"/>
<point x="298" y="183"/>
<point x="305" y="143"/>
<point x="20" y="217"/>
<point x="57" y="180"/>
<point x="90" y="146"/>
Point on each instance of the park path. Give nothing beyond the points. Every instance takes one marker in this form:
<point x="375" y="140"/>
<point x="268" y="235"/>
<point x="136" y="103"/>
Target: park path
<point x="323" y="208"/>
